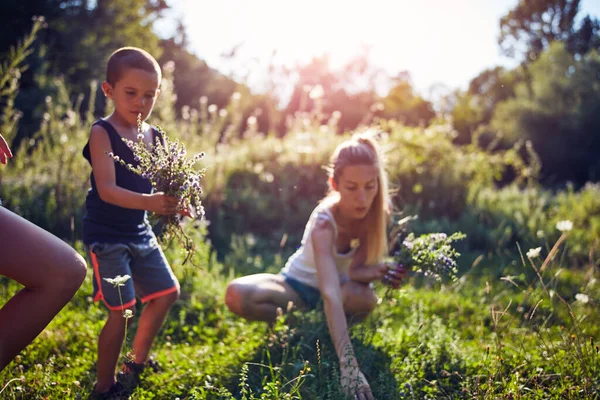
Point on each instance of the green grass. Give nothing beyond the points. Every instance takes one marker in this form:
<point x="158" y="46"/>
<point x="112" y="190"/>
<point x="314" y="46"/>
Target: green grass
<point x="483" y="338"/>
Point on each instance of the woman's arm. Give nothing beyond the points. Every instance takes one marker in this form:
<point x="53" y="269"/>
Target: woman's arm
<point x="109" y="191"/>
<point x="351" y="378"/>
<point x="329" y="284"/>
<point x="389" y="274"/>
<point x="360" y="272"/>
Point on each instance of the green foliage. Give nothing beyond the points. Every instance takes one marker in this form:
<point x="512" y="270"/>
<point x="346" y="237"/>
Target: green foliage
<point x="558" y="112"/>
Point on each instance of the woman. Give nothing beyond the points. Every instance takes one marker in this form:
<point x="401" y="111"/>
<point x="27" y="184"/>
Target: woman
<point x="341" y="254"/>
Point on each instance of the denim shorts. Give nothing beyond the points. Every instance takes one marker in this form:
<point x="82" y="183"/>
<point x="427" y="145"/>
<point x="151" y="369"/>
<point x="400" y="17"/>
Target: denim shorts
<point x="151" y="275"/>
<point x="308" y="294"/>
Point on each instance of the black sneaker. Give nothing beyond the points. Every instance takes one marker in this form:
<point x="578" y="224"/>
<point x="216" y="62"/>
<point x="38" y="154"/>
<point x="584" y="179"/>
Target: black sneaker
<point x="130" y="375"/>
<point x="130" y="367"/>
<point x="116" y="391"/>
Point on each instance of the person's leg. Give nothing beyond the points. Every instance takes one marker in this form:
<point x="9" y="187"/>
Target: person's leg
<point x="359" y="300"/>
<point x="158" y="289"/>
<point x="51" y="272"/>
<point x="257" y="297"/>
<point x="110" y="260"/>
<point x="152" y="319"/>
<point x="110" y="343"/>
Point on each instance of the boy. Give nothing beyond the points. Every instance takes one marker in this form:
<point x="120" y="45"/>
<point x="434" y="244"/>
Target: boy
<point x="115" y="227"/>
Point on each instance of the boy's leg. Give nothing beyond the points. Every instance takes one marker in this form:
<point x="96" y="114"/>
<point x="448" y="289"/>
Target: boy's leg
<point x="257" y="297"/>
<point x="152" y="318"/>
<point x="110" y="260"/>
<point x="110" y="343"/>
<point x="51" y="272"/>
<point x="158" y="288"/>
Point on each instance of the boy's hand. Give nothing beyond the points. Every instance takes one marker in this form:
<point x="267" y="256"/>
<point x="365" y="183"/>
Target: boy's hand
<point x="395" y="275"/>
<point x="160" y="203"/>
<point x="5" y="152"/>
<point x="188" y="211"/>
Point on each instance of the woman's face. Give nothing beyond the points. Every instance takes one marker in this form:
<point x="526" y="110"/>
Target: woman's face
<point x="358" y="185"/>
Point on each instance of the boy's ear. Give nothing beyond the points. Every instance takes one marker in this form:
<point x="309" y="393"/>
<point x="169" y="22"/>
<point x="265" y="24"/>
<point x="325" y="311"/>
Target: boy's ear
<point x="107" y="89"/>
<point x="332" y="183"/>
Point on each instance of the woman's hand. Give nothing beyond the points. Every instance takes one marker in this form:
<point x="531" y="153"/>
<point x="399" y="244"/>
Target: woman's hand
<point x="395" y="275"/>
<point x="5" y="152"/>
<point x="354" y="382"/>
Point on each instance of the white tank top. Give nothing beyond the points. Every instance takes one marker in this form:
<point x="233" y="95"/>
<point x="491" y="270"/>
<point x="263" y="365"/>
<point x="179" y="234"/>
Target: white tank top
<point x="302" y="265"/>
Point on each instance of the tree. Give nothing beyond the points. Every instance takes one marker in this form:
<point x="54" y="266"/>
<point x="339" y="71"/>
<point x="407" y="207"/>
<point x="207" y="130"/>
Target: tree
<point x="403" y="104"/>
<point x="532" y="25"/>
<point x="560" y="114"/>
<point x="475" y="107"/>
<point x="79" y="37"/>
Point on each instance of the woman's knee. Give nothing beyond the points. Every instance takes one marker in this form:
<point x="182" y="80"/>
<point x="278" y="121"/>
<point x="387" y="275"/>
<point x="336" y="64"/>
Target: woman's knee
<point x="359" y="298"/>
<point x="235" y="294"/>
<point x="68" y="274"/>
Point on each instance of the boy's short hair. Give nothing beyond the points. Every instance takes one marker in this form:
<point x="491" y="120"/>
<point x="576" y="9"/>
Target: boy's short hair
<point x="130" y="58"/>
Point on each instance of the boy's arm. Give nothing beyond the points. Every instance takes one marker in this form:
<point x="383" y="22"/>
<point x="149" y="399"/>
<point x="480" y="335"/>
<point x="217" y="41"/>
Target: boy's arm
<point x="104" y="174"/>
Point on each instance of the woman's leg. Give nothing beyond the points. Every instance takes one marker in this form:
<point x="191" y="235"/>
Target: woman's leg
<point x="257" y="297"/>
<point x="51" y="272"/>
<point x="359" y="300"/>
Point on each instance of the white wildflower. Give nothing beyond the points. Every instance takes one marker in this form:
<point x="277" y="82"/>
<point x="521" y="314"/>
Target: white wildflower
<point x="582" y="298"/>
<point x="127" y="314"/>
<point x="118" y="280"/>
<point x="533" y="253"/>
<point x="316" y="92"/>
<point x="564" y="226"/>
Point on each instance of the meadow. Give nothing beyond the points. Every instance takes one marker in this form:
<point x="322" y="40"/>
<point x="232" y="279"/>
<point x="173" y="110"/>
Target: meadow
<point x="520" y="322"/>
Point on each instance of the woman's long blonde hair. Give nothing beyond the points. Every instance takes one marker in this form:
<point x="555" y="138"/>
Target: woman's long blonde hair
<point x="363" y="149"/>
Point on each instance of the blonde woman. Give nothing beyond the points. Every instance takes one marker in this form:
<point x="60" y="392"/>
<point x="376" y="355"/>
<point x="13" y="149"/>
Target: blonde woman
<point x="342" y="249"/>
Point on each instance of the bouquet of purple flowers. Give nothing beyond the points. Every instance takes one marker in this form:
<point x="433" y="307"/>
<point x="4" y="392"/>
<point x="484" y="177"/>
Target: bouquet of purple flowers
<point x="164" y="163"/>
<point x="432" y="254"/>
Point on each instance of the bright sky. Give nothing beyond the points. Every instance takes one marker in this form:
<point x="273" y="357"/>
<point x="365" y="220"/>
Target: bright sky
<point x="437" y="41"/>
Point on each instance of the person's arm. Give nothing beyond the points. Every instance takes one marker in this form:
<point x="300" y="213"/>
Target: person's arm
<point x="387" y="273"/>
<point x="352" y="380"/>
<point x="104" y="174"/>
<point x="5" y="152"/>
<point x="360" y="272"/>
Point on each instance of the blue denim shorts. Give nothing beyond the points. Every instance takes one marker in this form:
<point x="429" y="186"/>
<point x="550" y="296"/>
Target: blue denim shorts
<point x="308" y="294"/>
<point x="151" y="275"/>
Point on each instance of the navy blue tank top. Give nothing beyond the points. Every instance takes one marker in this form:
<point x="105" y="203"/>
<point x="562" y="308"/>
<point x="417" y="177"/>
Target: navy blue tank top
<point x="108" y="223"/>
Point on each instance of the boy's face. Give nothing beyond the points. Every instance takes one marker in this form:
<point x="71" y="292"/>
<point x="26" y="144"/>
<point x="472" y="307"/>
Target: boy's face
<point x="134" y="93"/>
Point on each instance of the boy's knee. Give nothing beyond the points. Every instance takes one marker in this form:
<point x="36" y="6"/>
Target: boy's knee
<point x="234" y="295"/>
<point x="174" y="296"/>
<point x="119" y="314"/>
